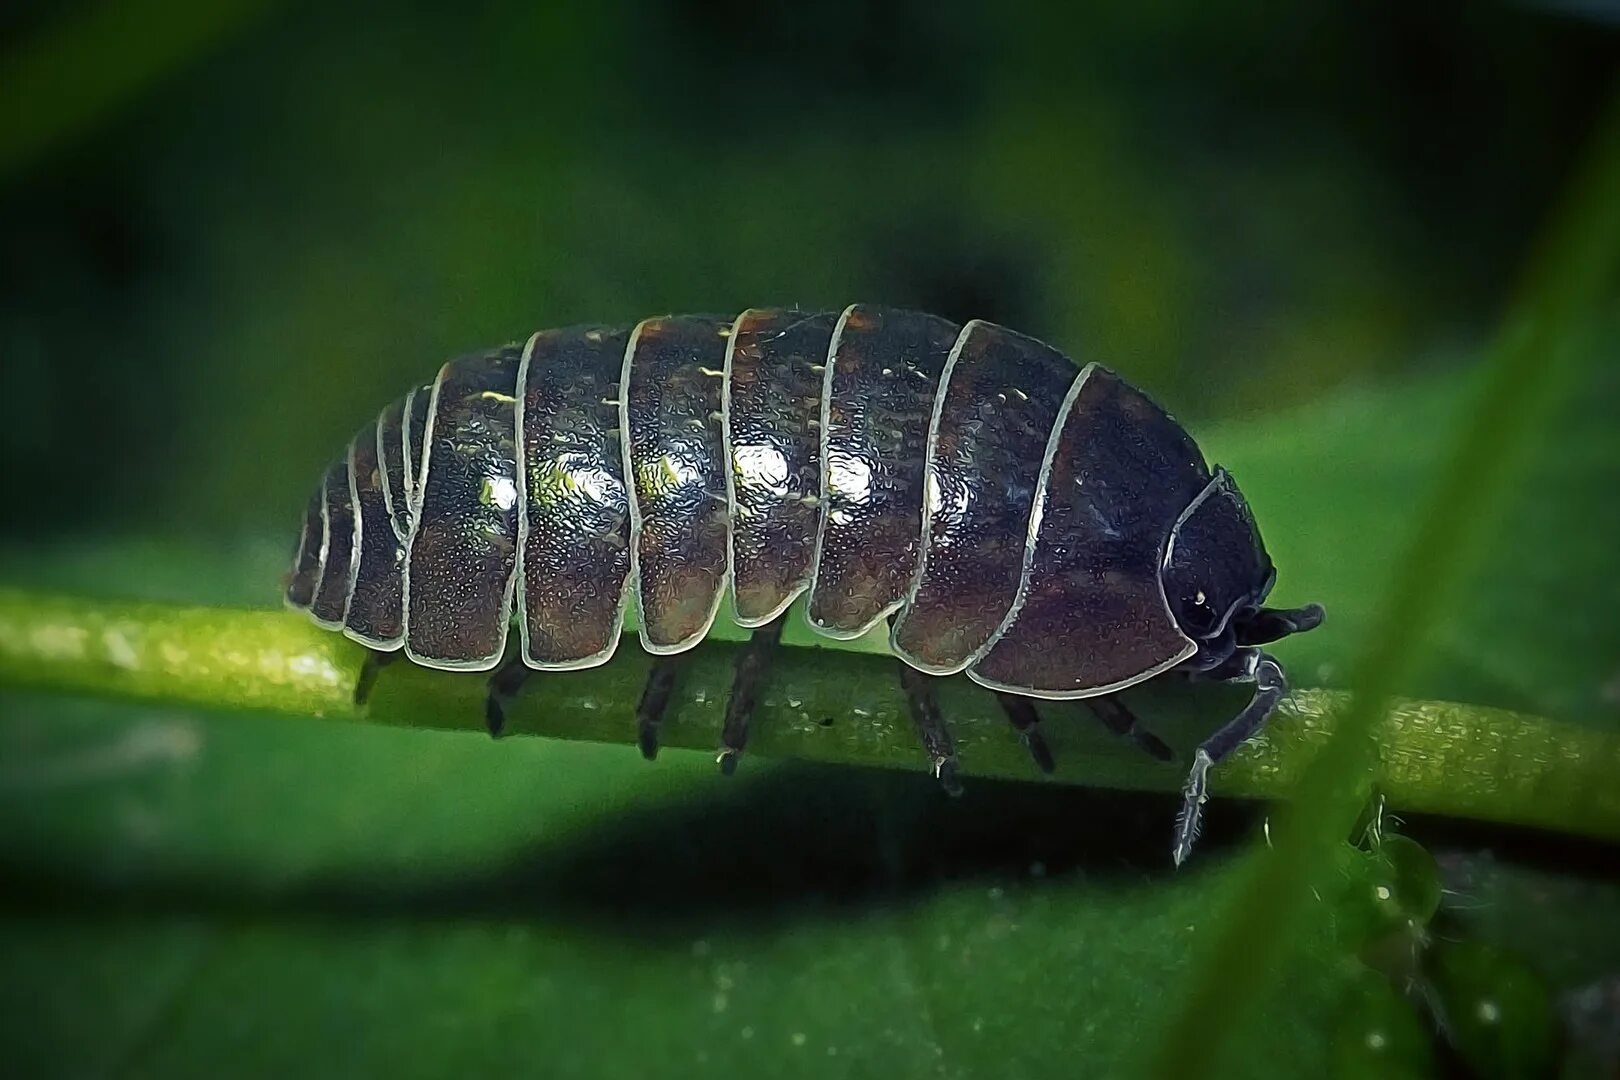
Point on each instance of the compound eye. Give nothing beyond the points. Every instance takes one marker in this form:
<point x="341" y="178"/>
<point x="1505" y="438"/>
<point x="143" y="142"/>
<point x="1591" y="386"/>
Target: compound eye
<point x="1198" y="614"/>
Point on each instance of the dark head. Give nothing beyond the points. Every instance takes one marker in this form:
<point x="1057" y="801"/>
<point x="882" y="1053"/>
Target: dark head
<point x="1217" y="574"/>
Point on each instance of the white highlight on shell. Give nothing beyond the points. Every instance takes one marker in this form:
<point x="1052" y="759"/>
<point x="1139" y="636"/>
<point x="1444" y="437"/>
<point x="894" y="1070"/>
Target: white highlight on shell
<point x="848" y="478"/>
<point x="763" y="466"/>
<point x="500" y="492"/>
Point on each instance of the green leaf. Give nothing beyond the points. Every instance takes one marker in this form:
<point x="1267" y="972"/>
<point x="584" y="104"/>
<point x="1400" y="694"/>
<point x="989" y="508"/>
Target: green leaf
<point x="422" y="902"/>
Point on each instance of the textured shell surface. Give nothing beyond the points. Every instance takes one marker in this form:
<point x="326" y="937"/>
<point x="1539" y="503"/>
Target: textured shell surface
<point x="1007" y="510"/>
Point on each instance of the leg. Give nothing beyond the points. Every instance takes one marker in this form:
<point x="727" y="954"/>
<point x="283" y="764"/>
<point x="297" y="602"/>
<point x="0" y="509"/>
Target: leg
<point x="1270" y="686"/>
<point x="1025" y="720"/>
<point x="375" y="662"/>
<point x="752" y="666"/>
<point x="654" y="700"/>
<point x="503" y="687"/>
<point x="1121" y="721"/>
<point x="936" y="738"/>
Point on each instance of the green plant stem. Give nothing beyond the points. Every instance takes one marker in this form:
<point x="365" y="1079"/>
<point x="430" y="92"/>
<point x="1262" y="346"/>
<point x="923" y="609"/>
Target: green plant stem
<point x="822" y="705"/>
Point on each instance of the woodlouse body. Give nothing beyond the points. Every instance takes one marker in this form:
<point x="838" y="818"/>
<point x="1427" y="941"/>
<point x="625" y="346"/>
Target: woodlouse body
<point x="1045" y="528"/>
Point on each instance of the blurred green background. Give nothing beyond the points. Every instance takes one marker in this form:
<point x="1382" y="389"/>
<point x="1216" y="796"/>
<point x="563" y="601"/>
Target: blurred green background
<point x="228" y="235"/>
<point x="1241" y="206"/>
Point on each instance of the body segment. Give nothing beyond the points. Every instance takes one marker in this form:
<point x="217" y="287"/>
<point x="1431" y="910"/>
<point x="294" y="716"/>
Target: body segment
<point x="336" y="578"/>
<point x="376" y="616"/>
<point x="391" y="460"/>
<point x="674" y="452"/>
<point x="463" y="545"/>
<point x="773" y="384"/>
<point x="305" y="574"/>
<point x="413" y="442"/>
<point x="883" y="369"/>
<point x="574" y="510"/>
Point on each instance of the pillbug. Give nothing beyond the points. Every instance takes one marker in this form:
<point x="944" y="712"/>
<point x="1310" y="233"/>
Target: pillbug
<point x="1042" y="526"/>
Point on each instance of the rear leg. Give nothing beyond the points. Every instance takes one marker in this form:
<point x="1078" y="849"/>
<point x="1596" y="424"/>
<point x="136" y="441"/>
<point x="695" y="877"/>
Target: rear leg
<point x="1270" y="687"/>
<point x="503" y="687"/>
<point x="376" y="660"/>
<point x="936" y="738"/>
<point x="1118" y="718"/>
<point x="1026" y="720"/>
<point x="654" y="703"/>
<point x="752" y="667"/>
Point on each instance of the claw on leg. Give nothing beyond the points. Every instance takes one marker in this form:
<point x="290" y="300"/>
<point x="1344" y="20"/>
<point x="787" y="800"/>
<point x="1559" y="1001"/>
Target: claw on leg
<point x="936" y="738"/>
<point x="1190" y="819"/>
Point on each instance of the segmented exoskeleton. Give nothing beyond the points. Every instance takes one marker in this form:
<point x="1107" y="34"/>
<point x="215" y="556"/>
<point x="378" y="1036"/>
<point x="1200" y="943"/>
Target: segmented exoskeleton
<point x="1044" y="527"/>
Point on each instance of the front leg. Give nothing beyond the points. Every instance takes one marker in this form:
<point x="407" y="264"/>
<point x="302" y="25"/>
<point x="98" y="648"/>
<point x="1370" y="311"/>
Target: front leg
<point x="1270" y="687"/>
